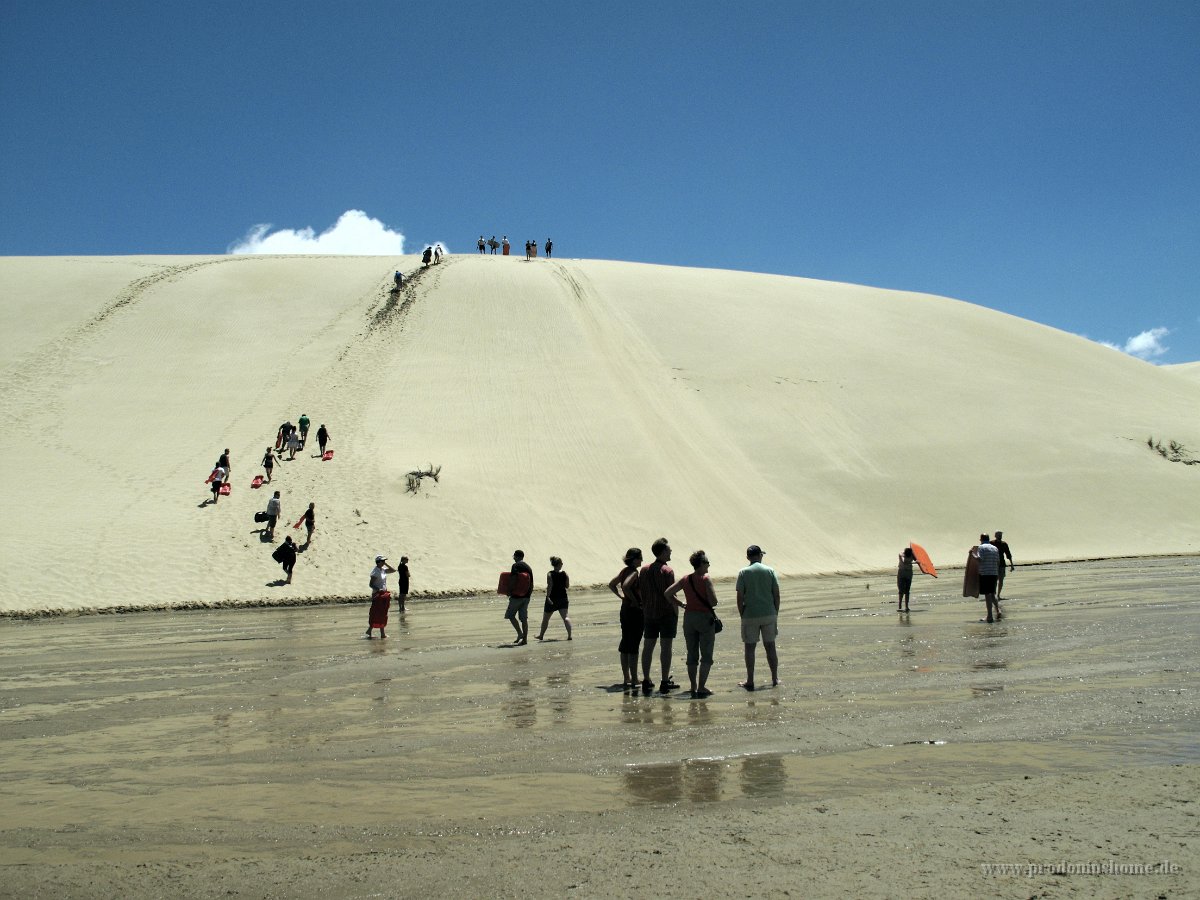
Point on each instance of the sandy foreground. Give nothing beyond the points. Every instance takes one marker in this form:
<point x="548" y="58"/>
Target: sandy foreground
<point x="276" y="753"/>
<point x="575" y="407"/>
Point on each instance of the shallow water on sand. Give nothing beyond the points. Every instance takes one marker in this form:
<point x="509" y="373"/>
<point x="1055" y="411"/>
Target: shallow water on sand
<point x="212" y="717"/>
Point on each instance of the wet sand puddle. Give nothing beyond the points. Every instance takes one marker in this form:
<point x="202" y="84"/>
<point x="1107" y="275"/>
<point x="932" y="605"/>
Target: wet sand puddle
<point x="796" y="777"/>
<point x="133" y="721"/>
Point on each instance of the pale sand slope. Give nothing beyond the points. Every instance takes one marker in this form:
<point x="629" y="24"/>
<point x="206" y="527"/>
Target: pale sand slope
<point x="1188" y="370"/>
<point x="576" y="407"/>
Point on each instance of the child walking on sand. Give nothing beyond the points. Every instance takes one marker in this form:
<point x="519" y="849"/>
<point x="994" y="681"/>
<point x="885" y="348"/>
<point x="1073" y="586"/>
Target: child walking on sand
<point x="557" y="582"/>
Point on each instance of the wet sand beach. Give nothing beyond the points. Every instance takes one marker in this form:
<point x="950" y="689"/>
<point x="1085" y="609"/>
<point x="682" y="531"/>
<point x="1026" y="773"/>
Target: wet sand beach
<point x="276" y="753"/>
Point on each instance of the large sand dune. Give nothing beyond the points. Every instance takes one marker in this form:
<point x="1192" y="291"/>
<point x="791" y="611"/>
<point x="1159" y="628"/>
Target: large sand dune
<point x="575" y="407"/>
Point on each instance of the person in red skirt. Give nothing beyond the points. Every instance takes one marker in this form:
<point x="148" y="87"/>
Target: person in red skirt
<point x="380" y="597"/>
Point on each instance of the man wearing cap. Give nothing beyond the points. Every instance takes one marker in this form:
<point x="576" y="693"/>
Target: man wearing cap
<point x="518" y="598"/>
<point x="758" y="605"/>
<point x="380" y="598"/>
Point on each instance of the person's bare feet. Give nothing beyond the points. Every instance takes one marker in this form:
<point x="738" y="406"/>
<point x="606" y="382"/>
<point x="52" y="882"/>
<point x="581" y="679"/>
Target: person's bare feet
<point x="748" y="685"/>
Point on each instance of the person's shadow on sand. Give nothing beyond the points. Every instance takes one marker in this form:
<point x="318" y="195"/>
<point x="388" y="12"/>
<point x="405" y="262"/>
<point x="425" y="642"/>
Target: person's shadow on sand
<point x="278" y="582"/>
<point x="262" y="536"/>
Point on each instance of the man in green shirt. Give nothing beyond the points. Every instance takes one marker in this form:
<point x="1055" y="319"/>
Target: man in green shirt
<point x="758" y="605"/>
<point x="303" y="423"/>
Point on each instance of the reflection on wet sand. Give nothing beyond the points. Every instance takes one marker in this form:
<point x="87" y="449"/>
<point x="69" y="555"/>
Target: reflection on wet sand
<point x="763" y="775"/>
<point x="650" y="710"/>
<point x="559" y="685"/>
<point x="703" y="780"/>
<point x="697" y="780"/>
<point x="520" y="707"/>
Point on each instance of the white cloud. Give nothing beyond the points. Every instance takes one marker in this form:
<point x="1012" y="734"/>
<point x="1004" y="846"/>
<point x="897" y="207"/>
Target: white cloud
<point x="1146" y="345"/>
<point x="354" y="233"/>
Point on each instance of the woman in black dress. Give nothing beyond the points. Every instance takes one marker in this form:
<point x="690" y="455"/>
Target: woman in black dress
<point x="557" y="582"/>
<point x="625" y="587"/>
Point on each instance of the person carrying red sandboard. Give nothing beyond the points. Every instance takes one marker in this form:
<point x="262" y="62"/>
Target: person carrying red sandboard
<point x="904" y="573"/>
<point x="519" y="588"/>
<point x="216" y="482"/>
<point x="309" y="519"/>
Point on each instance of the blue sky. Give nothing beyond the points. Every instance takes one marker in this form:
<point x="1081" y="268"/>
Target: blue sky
<point x="1040" y="158"/>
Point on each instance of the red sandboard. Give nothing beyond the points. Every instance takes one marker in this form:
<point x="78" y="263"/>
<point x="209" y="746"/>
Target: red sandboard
<point x="506" y="586"/>
<point x="226" y="489"/>
<point x="257" y="482"/>
<point x="327" y="455"/>
<point x="924" y="563"/>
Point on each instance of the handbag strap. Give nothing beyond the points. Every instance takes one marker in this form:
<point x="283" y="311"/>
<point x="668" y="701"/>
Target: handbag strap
<point x="700" y="596"/>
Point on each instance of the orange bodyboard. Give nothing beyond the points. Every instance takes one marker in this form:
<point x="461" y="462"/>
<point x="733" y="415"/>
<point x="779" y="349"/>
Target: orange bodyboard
<point x="257" y="482"/>
<point x="327" y="455"/>
<point x="226" y="489"/>
<point x="924" y="563"/>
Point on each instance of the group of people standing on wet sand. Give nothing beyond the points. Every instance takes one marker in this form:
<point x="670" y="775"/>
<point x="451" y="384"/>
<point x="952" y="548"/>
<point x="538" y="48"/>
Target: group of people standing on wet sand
<point x="984" y="574"/>
<point x="650" y="605"/>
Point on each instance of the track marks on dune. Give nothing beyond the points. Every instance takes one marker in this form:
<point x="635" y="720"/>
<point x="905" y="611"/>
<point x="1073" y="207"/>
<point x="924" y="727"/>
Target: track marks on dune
<point x="134" y="292"/>
<point x="351" y="383"/>
<point x="670" y="413"/>
<point x="30" y="387"/>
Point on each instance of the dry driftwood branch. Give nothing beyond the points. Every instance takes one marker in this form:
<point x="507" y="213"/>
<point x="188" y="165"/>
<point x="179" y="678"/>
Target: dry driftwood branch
<point x="416" y="476"/>
<point x="1173" y="452"/>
